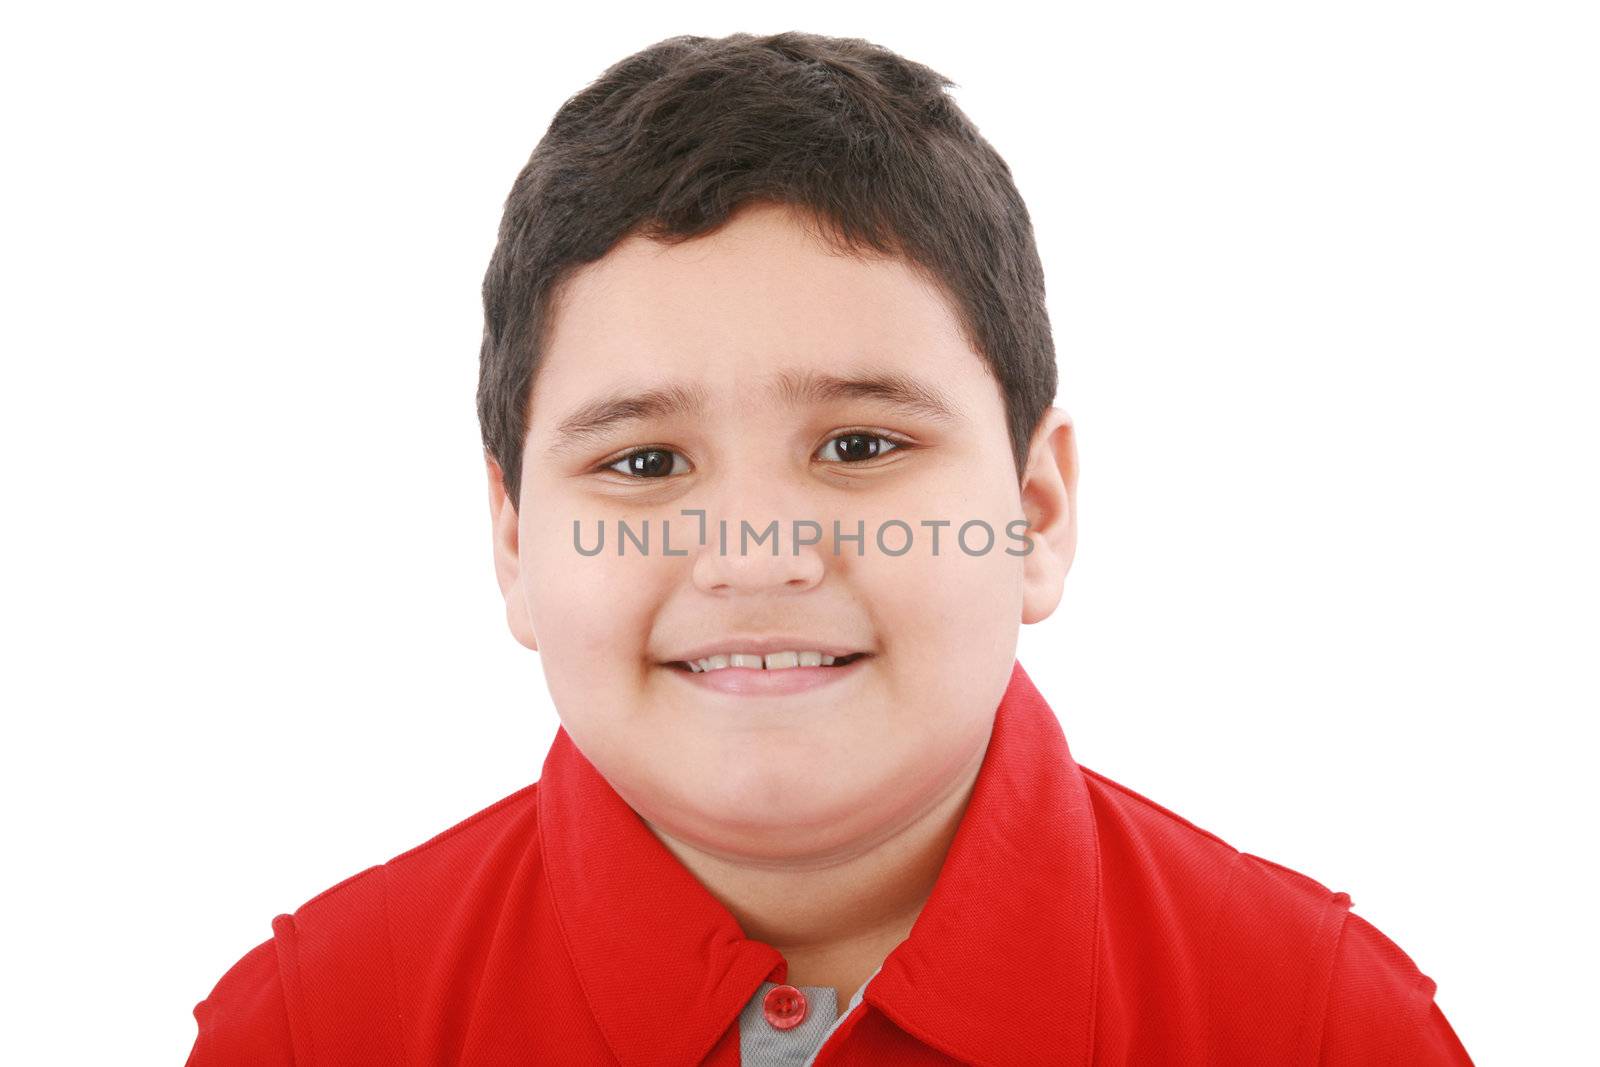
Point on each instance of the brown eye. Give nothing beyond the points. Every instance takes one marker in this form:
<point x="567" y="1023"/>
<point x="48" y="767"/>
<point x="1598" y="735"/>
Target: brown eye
<point x="856" y="447"/>
<point x="648" y="463"/>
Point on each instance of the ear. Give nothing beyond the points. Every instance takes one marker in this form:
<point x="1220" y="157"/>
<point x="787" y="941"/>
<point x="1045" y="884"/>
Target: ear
<point x="507" y="558"/>
<point x="1050" y="504"/>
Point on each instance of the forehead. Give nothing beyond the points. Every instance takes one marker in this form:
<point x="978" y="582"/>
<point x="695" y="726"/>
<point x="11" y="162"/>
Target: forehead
<point x="758" y="297"/>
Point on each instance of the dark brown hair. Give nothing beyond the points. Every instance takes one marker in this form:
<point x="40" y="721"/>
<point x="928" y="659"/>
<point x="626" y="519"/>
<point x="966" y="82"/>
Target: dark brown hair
<point x="670" y="141"/>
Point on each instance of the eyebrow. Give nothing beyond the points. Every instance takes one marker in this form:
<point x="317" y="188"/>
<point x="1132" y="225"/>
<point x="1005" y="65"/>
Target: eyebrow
<point x="597" y="416"/>
<point x="791" y="388"/>
<point x="898" y="391"/>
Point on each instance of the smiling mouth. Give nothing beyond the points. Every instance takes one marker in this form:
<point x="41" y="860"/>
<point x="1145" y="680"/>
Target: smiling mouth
<point x="840" y="661"/>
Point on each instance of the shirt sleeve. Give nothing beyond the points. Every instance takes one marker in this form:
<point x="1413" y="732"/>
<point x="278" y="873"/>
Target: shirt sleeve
<point x="244" y="1020"/>
<point x="1381" y="1008"/>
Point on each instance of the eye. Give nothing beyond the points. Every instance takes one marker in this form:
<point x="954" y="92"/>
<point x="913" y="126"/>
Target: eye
<point x="854" y="446"/>
<point x="649" y="463"/>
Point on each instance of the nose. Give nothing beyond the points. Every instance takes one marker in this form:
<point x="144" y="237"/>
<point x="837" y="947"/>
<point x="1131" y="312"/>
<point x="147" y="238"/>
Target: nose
<point x="758" y="542"/>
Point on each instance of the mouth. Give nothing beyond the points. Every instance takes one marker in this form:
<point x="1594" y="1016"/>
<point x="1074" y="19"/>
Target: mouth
<point x="763" y="681"/>
<point x="838" y="662"/>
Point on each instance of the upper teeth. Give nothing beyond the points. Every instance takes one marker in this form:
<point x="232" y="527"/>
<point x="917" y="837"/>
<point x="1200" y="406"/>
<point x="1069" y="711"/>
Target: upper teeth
<point x="771" y="661"/>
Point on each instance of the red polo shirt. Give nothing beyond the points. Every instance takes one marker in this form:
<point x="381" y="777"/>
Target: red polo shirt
<point x="1073" y="922"/>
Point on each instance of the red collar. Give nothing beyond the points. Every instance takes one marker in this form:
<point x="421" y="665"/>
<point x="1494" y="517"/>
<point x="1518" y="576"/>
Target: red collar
<point x="1002" y="956"/>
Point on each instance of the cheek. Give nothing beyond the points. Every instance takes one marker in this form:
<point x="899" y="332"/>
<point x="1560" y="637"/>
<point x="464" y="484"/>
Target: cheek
<point x="942" y="608"/>
<point x="591" y="613"/>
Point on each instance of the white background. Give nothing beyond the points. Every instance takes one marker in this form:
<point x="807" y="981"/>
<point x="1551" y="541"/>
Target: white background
<point x="1323" y="285"/>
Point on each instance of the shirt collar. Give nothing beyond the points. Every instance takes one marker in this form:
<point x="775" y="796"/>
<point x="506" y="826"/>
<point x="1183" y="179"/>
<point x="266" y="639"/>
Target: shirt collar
<point x="1001" y="958"/>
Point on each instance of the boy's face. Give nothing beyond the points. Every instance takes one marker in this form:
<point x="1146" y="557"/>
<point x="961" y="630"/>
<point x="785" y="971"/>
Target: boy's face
<point x="861" y="749"/>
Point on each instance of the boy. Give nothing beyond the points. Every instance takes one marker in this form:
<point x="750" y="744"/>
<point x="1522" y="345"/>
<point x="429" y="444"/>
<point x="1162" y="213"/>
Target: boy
<point x="804" y="806"/>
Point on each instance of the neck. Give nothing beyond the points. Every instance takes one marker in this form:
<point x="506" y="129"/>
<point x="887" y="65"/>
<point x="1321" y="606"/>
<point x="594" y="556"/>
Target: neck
<point x="836" y="917"/>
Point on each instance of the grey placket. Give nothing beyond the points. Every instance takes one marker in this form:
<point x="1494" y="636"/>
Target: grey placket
<point x="763" y="1045"/>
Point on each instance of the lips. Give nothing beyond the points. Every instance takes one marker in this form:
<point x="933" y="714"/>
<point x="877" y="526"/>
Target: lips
<point x="761" y="645"/>
<point x="773" y="661"/>
<point x="726" y="682"/>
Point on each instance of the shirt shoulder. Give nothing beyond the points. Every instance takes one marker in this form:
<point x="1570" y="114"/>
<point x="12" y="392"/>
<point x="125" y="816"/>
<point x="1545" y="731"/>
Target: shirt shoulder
<point x="1381" y="1007"/>
<point x="244" y="1020"/>
<point x="1266" y="942"/>
<point x="329" y="978"/>
<point x="1189" y="869"/>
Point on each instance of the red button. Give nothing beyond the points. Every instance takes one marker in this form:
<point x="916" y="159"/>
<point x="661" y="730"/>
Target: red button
<point x="785" y="1007"/>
